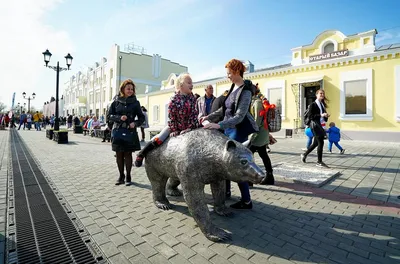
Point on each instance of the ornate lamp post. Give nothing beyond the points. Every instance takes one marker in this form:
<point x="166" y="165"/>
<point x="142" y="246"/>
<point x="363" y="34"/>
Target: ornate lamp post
<point x="68" y="58"/>
<point x="29" y="98"/>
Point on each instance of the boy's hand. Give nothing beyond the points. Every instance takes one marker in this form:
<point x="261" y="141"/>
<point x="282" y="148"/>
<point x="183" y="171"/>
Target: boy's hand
<point x="174" y="134"/>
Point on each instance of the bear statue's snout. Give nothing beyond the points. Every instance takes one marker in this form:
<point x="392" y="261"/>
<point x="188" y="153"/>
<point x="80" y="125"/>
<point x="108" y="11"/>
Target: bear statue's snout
<point x="256" y="173"/>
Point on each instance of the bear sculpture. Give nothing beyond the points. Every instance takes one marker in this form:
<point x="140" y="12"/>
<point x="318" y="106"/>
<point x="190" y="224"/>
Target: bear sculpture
<point x="194" y="159"/>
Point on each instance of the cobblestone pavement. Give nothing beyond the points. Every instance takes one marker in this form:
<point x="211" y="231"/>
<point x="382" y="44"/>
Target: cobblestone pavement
<point x="353" y="219"/>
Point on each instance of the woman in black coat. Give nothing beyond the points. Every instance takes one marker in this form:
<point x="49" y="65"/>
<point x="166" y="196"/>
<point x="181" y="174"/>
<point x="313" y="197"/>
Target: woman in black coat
<point x="317" y="115"/>
<point x="126" y="115"/>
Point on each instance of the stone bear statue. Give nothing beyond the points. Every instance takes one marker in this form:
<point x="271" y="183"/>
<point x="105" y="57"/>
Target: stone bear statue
<point x="194" y="159"/>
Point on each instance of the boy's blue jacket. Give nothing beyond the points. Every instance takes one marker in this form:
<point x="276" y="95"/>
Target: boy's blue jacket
<point x="334" y="134"/>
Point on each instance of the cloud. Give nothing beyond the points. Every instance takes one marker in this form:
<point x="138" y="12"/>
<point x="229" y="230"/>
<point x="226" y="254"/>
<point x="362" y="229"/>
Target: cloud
<point x="25" y="37"/>
<point x="383" y="36"/>
<point x="388" y="36"/>
<point x="159" y="25"/>
<point x="210" y="73"/>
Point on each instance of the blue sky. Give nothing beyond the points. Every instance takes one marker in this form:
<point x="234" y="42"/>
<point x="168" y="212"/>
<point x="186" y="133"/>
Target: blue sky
<point x="201" y="34"/>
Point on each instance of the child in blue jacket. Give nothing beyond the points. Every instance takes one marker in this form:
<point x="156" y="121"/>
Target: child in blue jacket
<point x="334" y="137"/>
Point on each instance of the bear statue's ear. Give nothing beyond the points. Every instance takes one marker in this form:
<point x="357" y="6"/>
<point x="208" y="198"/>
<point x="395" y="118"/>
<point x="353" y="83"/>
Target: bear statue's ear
<point x="230" y="145"/>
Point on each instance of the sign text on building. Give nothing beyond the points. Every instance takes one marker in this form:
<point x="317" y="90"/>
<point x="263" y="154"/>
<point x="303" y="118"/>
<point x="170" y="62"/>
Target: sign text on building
<point x="330" y="55"/>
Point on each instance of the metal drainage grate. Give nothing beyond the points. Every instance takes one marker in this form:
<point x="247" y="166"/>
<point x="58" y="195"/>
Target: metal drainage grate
<point x="39" y="228"/>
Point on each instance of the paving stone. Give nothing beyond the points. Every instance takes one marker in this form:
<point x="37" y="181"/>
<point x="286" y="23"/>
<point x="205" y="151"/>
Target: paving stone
<point x="259" y="258"/>
<point x="187" y="240"/>
<point x="178" y="259"/>
<point x="185" y="251"/>
<point x="277" y="260"/>
<point x="118" y="239"/>
<point x="242" y="251"/>
<point x="198" y="259"/>
<point x="139" y="258"/>
<point x="109" y="249"/>
<point x="128" y="250"/>
<point x="101" y="238"/>
<point x="316" y="249"/>
<point x="93" y="229"/>
<point x="169" y="240"/>
<point x="155" y="230"/>
<point x="166" y="250"/>
<point x="109" y="230"/>
<point x="222" y="250"/>
<point x="135" y="239"/>
<point x="146" y="250"/>
<point x="119" y="259"/>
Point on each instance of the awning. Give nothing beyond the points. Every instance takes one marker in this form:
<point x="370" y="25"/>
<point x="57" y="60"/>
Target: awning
<point x="309" y="79"/>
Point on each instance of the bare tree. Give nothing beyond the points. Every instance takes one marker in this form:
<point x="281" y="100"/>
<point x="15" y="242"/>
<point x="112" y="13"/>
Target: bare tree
<point x="33" y="109"/>
<point x="2" y="107"/>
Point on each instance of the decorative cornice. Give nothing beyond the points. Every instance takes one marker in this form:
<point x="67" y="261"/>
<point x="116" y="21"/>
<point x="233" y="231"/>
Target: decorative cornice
<point x="366" y="58"/>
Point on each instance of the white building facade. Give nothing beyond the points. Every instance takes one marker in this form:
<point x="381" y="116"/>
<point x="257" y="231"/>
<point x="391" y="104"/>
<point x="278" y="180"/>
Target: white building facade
<point x="90" y="92"/>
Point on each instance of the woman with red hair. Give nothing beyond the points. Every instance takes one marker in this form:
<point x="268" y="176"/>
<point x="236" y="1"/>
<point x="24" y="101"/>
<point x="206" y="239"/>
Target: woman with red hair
<point x="237" y="121"/>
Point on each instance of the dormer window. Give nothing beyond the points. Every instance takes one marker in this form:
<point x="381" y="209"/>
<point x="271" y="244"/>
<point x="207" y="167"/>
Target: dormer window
<point x="329" y="47"/>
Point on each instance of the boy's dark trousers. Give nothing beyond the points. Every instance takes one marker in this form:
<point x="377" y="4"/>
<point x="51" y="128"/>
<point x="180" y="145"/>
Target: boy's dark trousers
<point x="336" y="144"/>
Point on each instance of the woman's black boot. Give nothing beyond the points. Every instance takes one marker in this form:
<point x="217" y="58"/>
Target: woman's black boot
<point x="121" y="180"/>
<point x="128" y="180"/>
<point x="268" y="180"/>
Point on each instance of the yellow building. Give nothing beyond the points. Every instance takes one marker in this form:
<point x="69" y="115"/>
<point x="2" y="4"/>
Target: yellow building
<point x="361" y="80"/>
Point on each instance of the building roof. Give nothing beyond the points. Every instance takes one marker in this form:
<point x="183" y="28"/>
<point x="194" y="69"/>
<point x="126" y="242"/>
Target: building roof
<point x="388" y="47"/>
<point x="274" y="67"/>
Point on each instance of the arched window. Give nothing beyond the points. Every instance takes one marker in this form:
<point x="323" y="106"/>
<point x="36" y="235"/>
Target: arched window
<point x="330" y="47"/>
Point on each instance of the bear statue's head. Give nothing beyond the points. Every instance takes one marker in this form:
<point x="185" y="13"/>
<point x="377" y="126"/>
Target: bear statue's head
<point x="239" y="163"/>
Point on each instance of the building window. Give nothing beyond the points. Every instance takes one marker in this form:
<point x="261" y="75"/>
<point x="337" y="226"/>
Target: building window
<point x="356" y="95"/>
<point x="330" y="47"/>
<point x="276" y="94"/>
<point x="156" y="113"/>
<point x="397" y="92"/>
<point x="275" y="97"/>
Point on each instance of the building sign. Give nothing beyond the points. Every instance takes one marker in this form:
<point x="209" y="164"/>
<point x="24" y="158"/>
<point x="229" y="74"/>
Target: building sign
<point x="330" y="55"/>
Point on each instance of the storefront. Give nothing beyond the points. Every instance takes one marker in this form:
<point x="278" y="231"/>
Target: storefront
<point x="361" y="80"/>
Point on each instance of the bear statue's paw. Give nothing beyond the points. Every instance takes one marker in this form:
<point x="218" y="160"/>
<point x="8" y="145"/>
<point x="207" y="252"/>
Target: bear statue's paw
<point x="218" y="235"/>
<point x="174" y="192"/>
<point x="223" y="211"/>
<point x="164" y="205"/>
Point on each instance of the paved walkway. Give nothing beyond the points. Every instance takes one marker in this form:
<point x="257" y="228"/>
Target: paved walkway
<point x="353" y="219"/>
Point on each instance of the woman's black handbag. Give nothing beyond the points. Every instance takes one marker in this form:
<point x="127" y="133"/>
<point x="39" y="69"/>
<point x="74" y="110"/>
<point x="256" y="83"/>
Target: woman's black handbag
<point x="121" y="136"/>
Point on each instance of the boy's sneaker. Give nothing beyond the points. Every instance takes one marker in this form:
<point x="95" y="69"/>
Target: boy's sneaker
<point x="321" y="165"/>
<point x="342" y="151"/>
<point x="330" y="151"/>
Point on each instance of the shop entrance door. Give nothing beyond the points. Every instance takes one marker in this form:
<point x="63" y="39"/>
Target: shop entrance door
<point x="309" y="95"/>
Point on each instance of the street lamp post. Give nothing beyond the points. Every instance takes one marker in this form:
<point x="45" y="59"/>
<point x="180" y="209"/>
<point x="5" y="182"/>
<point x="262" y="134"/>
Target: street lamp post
<point x="29" y="98"/>
<point x="68" y="58"/>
